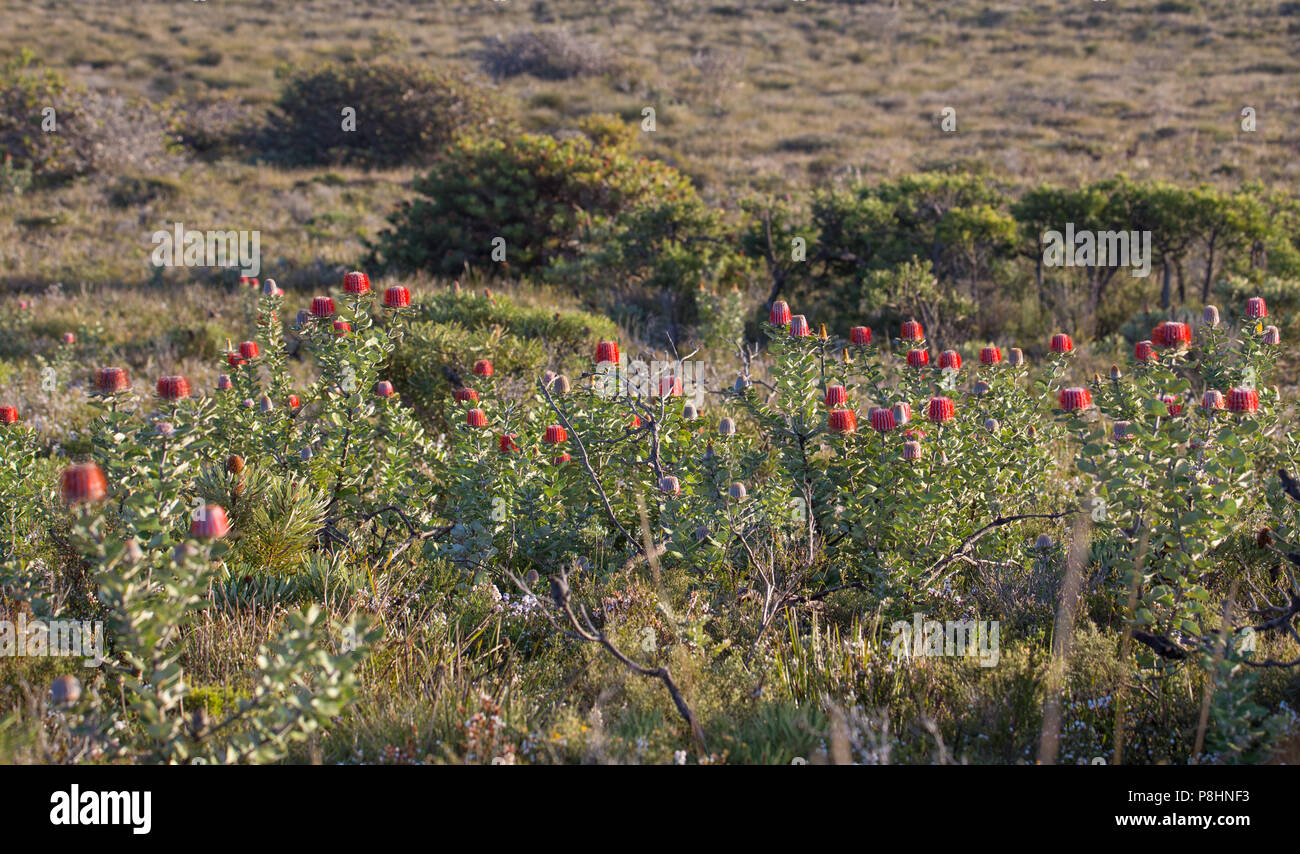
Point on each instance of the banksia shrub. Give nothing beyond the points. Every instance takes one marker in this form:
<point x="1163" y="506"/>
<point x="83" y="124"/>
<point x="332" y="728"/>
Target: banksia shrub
<point x="466" y="395"/>
<point x="860" y="335"/>
<point x="556" y="435"/>
<point x="476" y="418"/>
<point x="836" y="396"/>
<point x="940" y="409"/>
<point x="911" y="331"/>
<point x="780" y="314"/>
<point x="483" y="368"/>
<point x="397" y="297"/>
<point x="1173" y="405"/>
<point x="356" y="283"/>
<point x="912" y="451"/>
<point x="1075" y="399"/>
<point x="1061" y="343"/>
<point x="112" y="381"/>
<point x="1212" y="400"/>
<point x="950" y="359"/>
<point x="83" y="483"/>
<point x="1243" y="400"/>
<point x="173" y="388"/>
<point x="1255" y="307"/>
<point x="799" y="327"/>
<point x="669" y="485"/>
<point x="210" y="523"/>
<point x="990" y="356"/>
<point x="322" y="307"/>
<point x="882" y="420"/>
<point x="607" y="351"/>
<point x="918" y="358"/>
<point x="383" y="388"/>
<point x="843" y="421"/>
<point x="1144" y="351"/>
<point x="1171" y="334"/>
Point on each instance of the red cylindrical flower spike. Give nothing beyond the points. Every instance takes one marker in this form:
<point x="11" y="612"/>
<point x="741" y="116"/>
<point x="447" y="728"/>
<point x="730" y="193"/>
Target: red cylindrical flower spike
<point x="843" y="421"/>
<point x="990" y="356"/>
<point x="670" y="386"/>
<point x="607" y="351"/>
<point x="1171" y="334"/>
<point x="1255" y="307"/>
<point x="356" y="282"/>
<point x="860" y="335"/>
<point x="294" y="402"/>
<point x="1061" y="343"/>
<point x="799" y="327"/>
<point x="322" y="307"/>
<point x="1271" y="335"/>
<point x="1210" y="315"/>
<point x="556" y="435"/>
<point x="341" y="328"/>
<point x="1172" y="404"/>
<point x="234" y="359"/>
<point x="635" y="422"/>
<point x="483" y="368"/>
<point x="210" y="523"/>
<point x="506" y="443"/>
<point x="1144" y="351"/>
<point x="112" y="380"/>
<point x="248" y="349"/>
<point x="882" y="420"/>
<point x="1212" y="400"/>
<point x="918" y="358"/>
<point x="836" y="396"/>
<point x="83" y="483"/>
<point x="669" y="485"/>
<point x="224" y="383"/>
<point x="173" y="388"/>
<point x="950" y="359"/>
<point x="1074" y="399"/>
<point x="780" y="314"/>
<point x="1015" y="357"/>
<point x="560" y="460"/>
<point x="941" y="409"/>
<point x="912" y="451"/>
<point x="1243" y="400"/>
<point x="384" y="388"/>
<point x="911" y="331"/>
<point x="397" y="297"/>
<point x="466" y="395"/>
<point x="476" y="418"/>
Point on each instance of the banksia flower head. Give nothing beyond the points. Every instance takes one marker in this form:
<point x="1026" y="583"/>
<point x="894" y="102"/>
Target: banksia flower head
<point x="992" y="425"/>
<point x="266" y="405"/>
<point x="69" y="338"/>
<point x="506" y="443"/>
<point x="556" y="435"/>
<point x="799" y="327"/>
<point x="836" y="396"/>
<point x="560" y="460"/>
<point x="211" y="523"/>
<point x="981" y="387"/>
<point x="294" y="402"/>
<point x="562" y="385"/>
<point x="356" y="282"/>
<point x="247" y="403"/>
<point x="165" y="428"/>
<point x="1144" y="351"/>
<point x="466" y="395"/>
<point x="821" y="332"/>
<point x="1061" y="343"/>
<point x="173" y="388"/>
<point x="902" y="413"/>
<point x="1171" y="334"/>
<point x="397" y="297"/>
<point x="912" y="451"/>
<point x="860" y="335"/>
<point x="1271" y="335"/>
<point x="670" y="485"/>
<point x="83" y="483"/>
<point x="476" y="418"/>
<point x="112" y="381"/>
<point x="780" y="314"/>
<point x="990" y="355"/>
<point x="1210" y="315"/>
<point x="918" y="358"/>
<point x="727" y="426"/>
<point x="383" y="388"/>
<point x="607" y="351"/>
<point x="303" y="316"/>
<point x="1255" y="307"/>
<point x="1044" y="542"/>
<point x="234" y="360"/>
<point x="689" y="412"/>
<point x="1173" y="405"/>
<point x="322" y="307"/>
<point x="1212" y="400"/>
<point x="941" y="409"/>
<point x="911" y="331"/>
<point x="1015" y="357"/>
<point x="1074" y="399"/>
<point x="341" y="328"/>
<point x="1243" y="400"/>
<point x="737" y="491"/>
<point x="1115" y="373"/>
<point x="1122" y="431"/>
<point x="249" y="349"/>
<point x="843" y="421"/>
<point x="950" y="359"/>
<point x="270" y="289"/>
<point x="882" y="420"/>
<point x="670" y="386"/>
<point x="65" y="691"/>
<point x="483" y="368"/>
<point x="224" y="383"/>
<point x="234" y="464"/>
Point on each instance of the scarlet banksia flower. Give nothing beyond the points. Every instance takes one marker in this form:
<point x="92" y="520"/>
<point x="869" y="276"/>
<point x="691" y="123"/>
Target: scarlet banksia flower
<point x="950" y="359"/>
<point x="234" y="359"/>
<point x="356" y="282"/>
<point x="234" y="464"/>
<point x="562" y="384"/>
<point x="384" y="388"/>
<point x="83" y="483"/>
<point x="780" y="314"/>
<point x="799" y="327"/>
<point x="1271" y="335"/>
<point x="669" y="485"/>
<point x="1255" y="307"/>
<point x="607" y="351"/>
<point x="843" y="421"/>
<point x="560" y="460"/>
<point x="1016" y="357"/>
<point x="726" y="426"/>
<point x="69" y="338"/>
<point x="912" y="451"/>
<point x="397" y="297"/>
<point x="112" y="380"/>
<point x="635" y="422"/>
<point x="1171" y="334"/>
<point x="670" y="386"/>
<point x="483" y="368"/>
<point x="476" y="418"/>
<point x="341" y="328"/>
<point x="210" y="523"/>
<point x="1212" y="400"/>
<point x="224" y="383"/>
<point x="1172" y="404"/>
<point x="266" y="404"/>
<point x="173" y="388"/>
<point x="1074" y="399"/>
<point x="882" y="420"/>
<point x="322" y="307"/>
<point x="294" y="403"/>
<point x="1061" y="343"/>
<point x="506" y="443"/>
<point x="911" y="331"/>
<point x="1243" y="400"/>
<point x="249" y="349"/>
<point x="689" y="412"/>
<point x="990" y="355"/>
<point x="836" y="396"/>
<point x="737" y="491"/>
<point x="1144" y="351"/>
<point x="466" y="395"/>
<point x="860" y="335"/>
<point x="556" y="435"/>
<point x="918" y="358"/>
<point x="941" y="409"/>
<point x="1210" y="315"/>
<point x="902" y="413"/>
